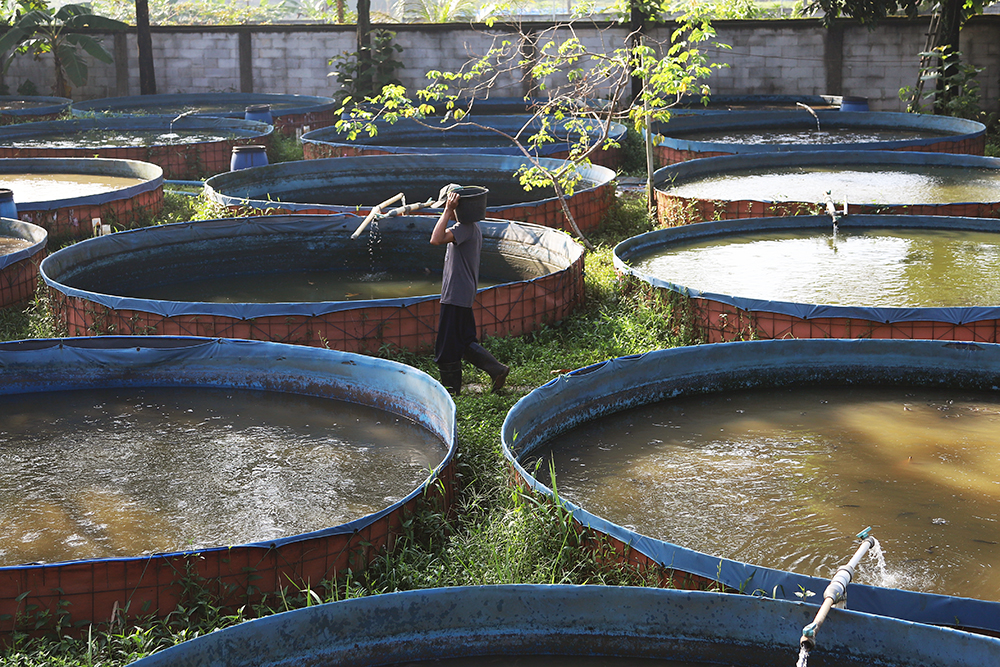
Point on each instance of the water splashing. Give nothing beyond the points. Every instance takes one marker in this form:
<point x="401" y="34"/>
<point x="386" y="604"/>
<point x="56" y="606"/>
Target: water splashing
<point x="803" y="656"/>
<point x="810" y="110"/>
<point x="882" y="576"/>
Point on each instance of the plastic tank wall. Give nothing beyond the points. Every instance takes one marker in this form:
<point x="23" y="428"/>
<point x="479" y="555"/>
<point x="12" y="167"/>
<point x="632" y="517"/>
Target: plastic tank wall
<point x="92" y="590"/>
<point x="620" y="624"/>
<point x="410" y="323"/>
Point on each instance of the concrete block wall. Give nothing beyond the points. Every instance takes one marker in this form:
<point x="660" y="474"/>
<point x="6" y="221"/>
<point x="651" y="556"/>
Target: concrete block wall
<point x="880" y="63"/>
<point x="297" y="63"/>
<point x="767" y="57"/>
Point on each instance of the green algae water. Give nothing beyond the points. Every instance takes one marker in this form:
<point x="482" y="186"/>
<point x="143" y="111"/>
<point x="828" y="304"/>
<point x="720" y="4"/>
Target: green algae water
<point x="127" y="472"/>
<point x="111" y="138"/>
<point x="809" y="136"/>
<point x="785" y="478"/>
<point x="29" y="187"/>
<point x="294" y="287"/>
<point x="875" y="268"/>
<point x="911" y="184"/>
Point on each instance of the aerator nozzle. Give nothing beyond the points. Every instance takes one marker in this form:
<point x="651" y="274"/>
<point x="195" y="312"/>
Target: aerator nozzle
<point x="864" y="533"/>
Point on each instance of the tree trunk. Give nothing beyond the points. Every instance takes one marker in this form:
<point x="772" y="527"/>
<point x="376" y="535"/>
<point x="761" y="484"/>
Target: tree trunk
<point x="637" y="22"/>
<point x="147" y="76"/>
<point x="364" y="73"/>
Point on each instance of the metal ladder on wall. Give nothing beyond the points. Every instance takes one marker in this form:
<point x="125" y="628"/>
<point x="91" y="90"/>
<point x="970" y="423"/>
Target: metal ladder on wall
<point x="926" y="57"/>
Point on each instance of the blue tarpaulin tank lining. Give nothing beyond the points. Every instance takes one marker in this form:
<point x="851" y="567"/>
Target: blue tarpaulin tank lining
<point x="255" y="187"/>
<point x="626" y="382"/>
<point x="392" y="137"/>
<point x="562" y="620"/>
<point x="549" y="245"/>
<point x="953" y="129"/>
<point x="720" y="164"/>
<point x="42" y="106"/>
<point x="36" y="235"/>
<point x="232" y="127"/>
<point x="281" y="104"/>
<point x="151" y="173"/>
<point x="141" y="361"/>
<point x="635" y="247"/>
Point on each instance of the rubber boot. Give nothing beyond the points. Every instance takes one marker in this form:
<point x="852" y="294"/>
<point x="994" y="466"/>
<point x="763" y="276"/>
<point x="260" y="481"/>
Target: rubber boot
<point x="451" y="376"/>
<point x="480" y="357"/>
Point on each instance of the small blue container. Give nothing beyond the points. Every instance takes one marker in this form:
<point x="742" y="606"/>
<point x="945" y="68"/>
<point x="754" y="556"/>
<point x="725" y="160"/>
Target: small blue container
<point x="854" y="104"/>
<point x="245" y="157"/>
<point x="260" y="113"/>
<point x="7" y="207"/>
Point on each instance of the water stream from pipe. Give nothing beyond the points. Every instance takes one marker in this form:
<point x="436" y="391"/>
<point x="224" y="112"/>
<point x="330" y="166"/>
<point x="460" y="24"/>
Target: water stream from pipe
<point x="814" y="115"/>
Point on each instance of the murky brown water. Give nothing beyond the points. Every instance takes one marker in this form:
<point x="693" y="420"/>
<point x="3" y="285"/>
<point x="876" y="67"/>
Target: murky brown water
<point x="786" y="478"/>
<point x="881" y="268"/>
<point x="10" y="245"/>
<point x="111" y="138"/>
<point x="898" y="184"/>
<point x="105" y="473"/>
<point x="52" y="185"/>
<point x="808" y="136"/>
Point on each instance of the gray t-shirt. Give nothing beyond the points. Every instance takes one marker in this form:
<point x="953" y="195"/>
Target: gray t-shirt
<point x="461" y="265"/>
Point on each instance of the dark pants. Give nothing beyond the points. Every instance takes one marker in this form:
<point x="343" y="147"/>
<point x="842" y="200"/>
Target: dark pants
<point x="456" y="332"/>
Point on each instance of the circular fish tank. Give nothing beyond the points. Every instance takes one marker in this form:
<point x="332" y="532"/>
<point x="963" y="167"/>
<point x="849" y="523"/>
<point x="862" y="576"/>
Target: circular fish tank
<point x="708" y="461"/>
<point x="190" y="148"/>
<point x="21" y="109"/>
<point x="534" y="625"/>
<point x="304" y="280"/>
<point x="66" y="195"/>
<point x="22" y="248"/>
<point x="353" y="184"/>
<point x="408" y="136"/>
<point x="699" y="136"/>
<point x="291" y="113"/>
<point x="755" y="186"/>
<point x="880" y="276"/>
<point x="256" y="465"/>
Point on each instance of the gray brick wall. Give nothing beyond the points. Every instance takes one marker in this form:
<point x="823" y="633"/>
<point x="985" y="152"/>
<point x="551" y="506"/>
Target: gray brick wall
<point x="767" y="57"/>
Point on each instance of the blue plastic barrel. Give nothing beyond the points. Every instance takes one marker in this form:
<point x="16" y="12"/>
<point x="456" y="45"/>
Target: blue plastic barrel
<point x="245" y="157"/>
<point x="854" y="104"/>
<point x="260" y="113"/>
<point x="7" y="207"/>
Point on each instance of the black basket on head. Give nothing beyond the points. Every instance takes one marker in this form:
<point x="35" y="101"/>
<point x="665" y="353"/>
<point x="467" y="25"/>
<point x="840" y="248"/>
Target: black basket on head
<point x="471" y="203"/>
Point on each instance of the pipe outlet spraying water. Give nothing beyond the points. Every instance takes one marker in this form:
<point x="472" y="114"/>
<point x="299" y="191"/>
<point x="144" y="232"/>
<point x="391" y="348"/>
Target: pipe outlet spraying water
<point x="835" y="594"/>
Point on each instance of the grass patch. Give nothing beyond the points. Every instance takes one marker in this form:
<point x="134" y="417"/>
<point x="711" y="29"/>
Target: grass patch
<point x="496" y="534"/>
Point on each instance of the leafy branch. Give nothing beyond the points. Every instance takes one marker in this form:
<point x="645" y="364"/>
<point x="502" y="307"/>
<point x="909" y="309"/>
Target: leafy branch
<point x="578" y="92"/>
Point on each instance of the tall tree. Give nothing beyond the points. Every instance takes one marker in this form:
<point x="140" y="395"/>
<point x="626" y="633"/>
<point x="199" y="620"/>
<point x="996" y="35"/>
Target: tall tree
<point x="147" y="75"/>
